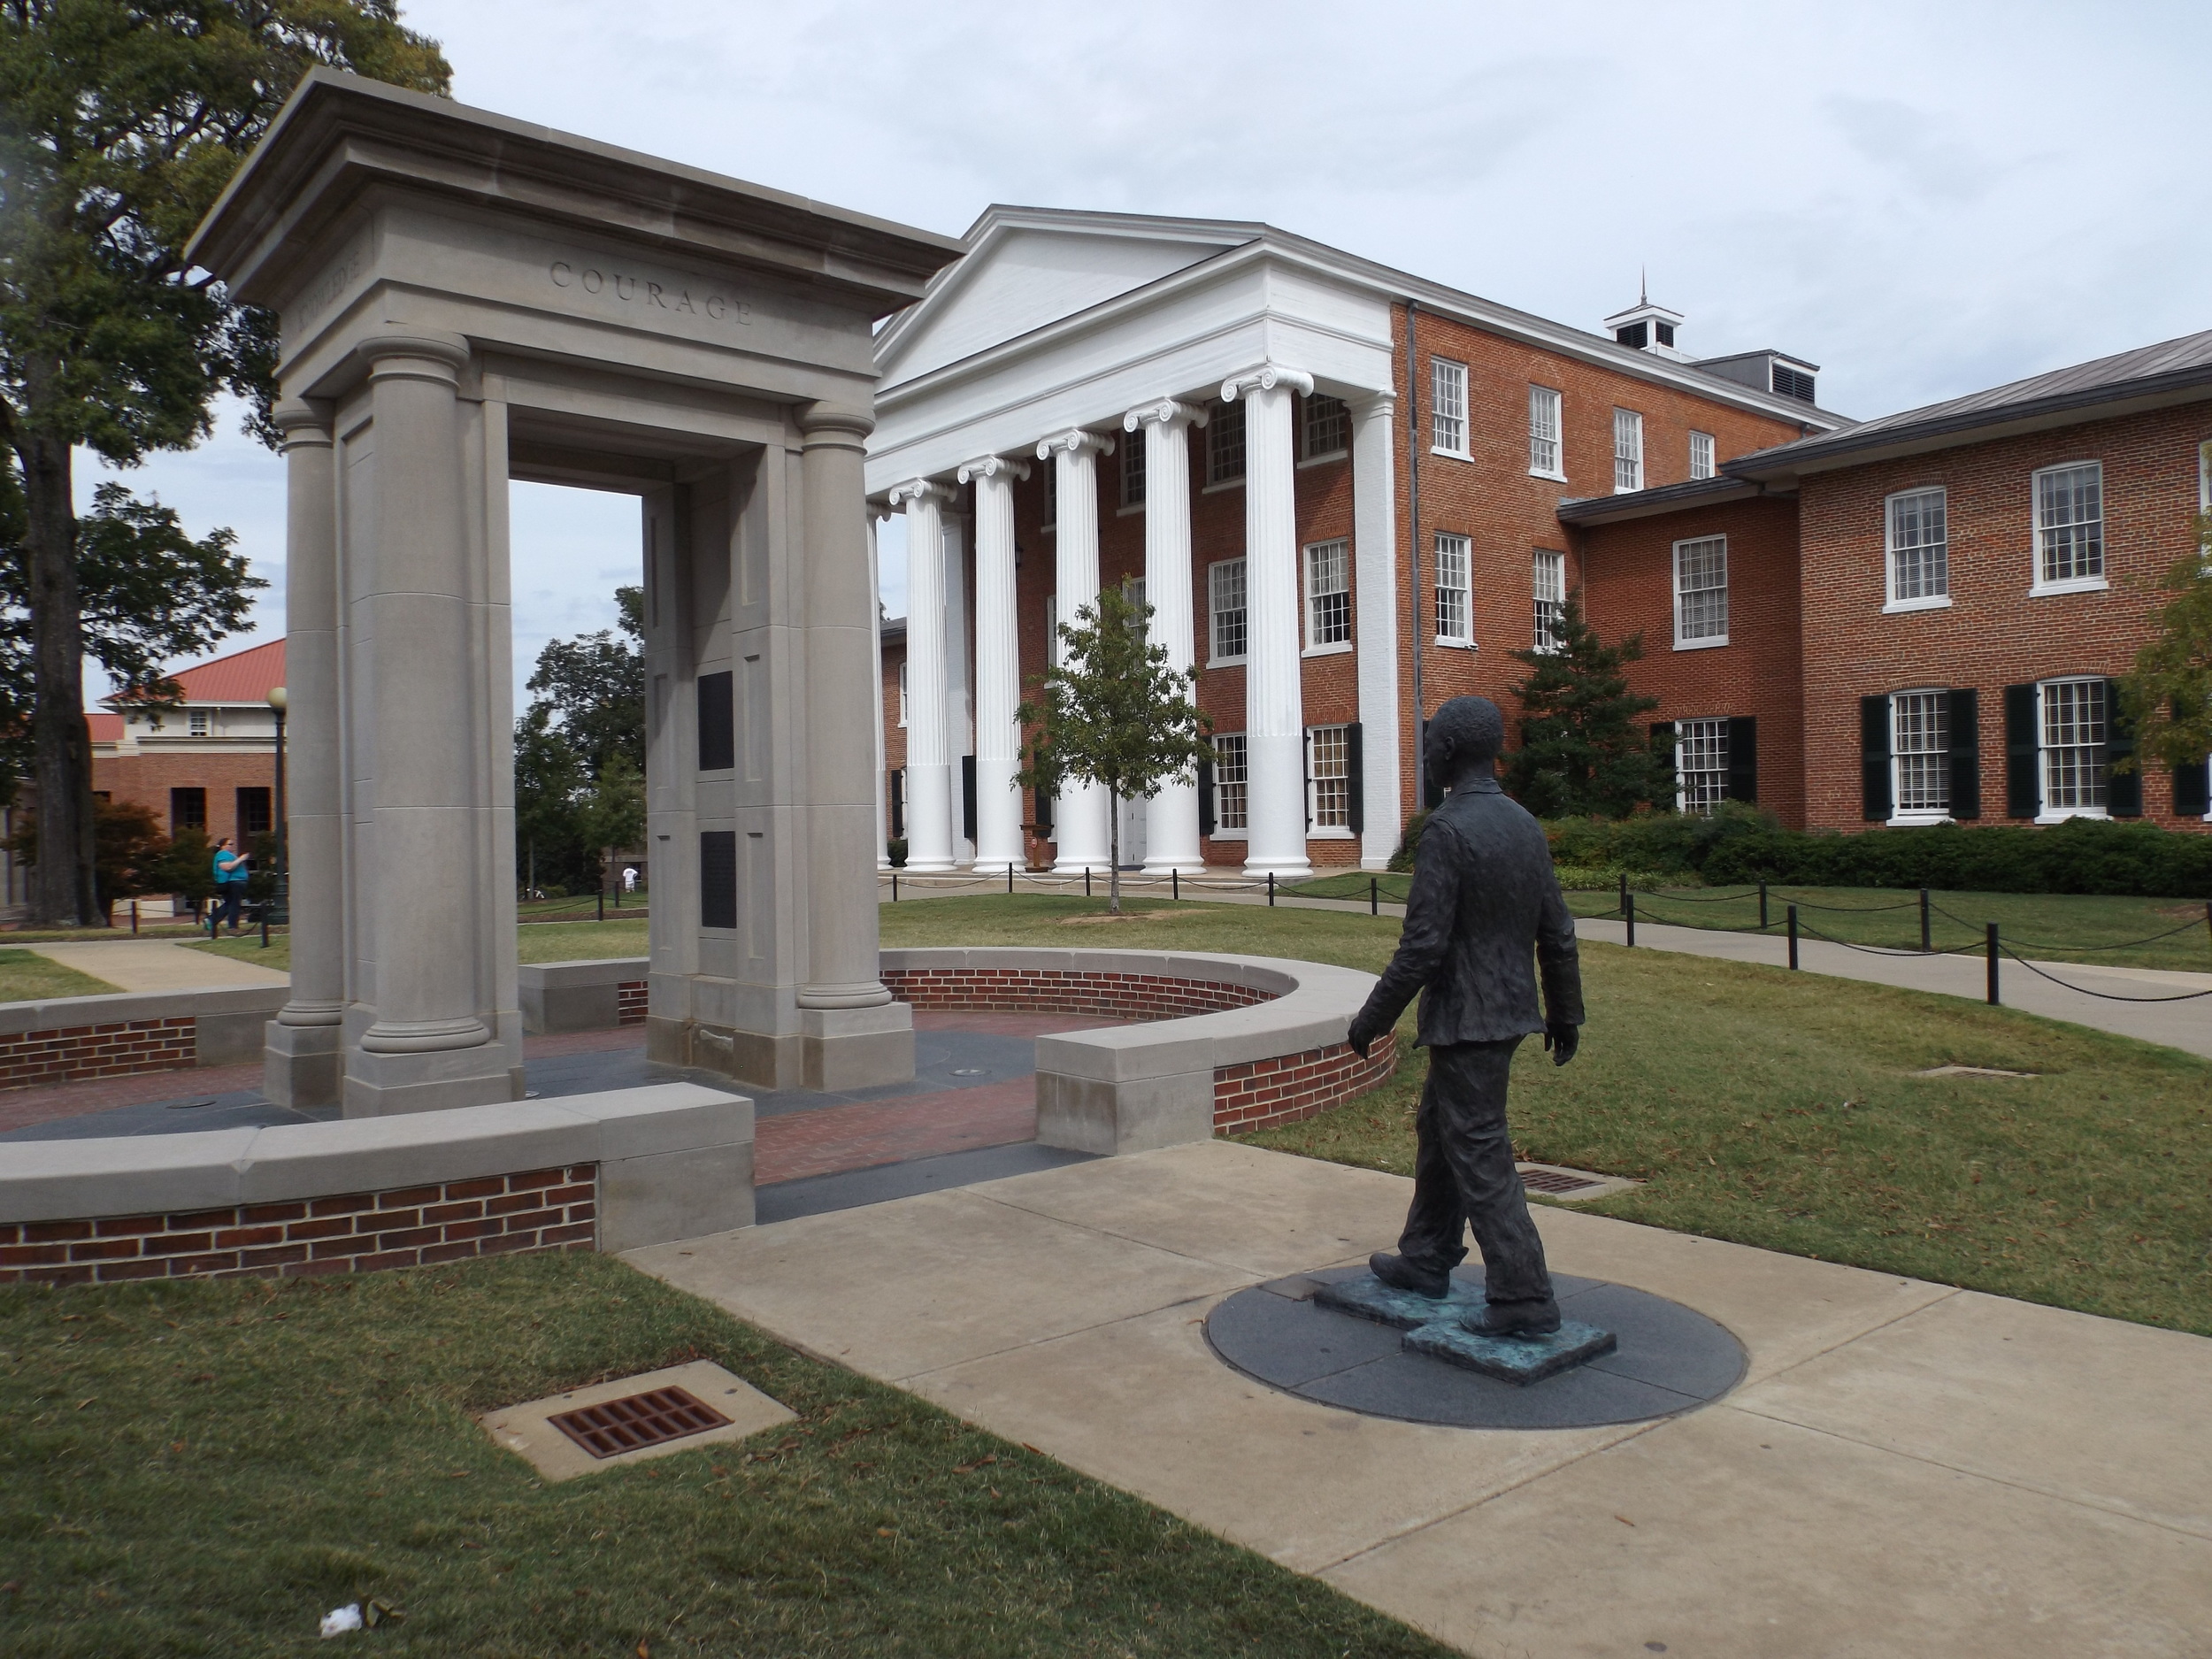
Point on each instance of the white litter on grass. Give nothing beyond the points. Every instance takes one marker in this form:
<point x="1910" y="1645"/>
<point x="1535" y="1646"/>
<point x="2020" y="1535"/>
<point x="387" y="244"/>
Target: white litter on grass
<point x="341" y="1620"/>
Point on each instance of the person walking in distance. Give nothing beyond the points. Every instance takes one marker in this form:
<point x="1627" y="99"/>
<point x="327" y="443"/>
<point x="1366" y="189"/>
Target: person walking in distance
<point x="231" y="875"/>
<point x="1484" y="913"/>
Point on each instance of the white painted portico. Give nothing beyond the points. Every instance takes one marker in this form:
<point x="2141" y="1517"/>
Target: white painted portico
<point x="1061" y="336"/>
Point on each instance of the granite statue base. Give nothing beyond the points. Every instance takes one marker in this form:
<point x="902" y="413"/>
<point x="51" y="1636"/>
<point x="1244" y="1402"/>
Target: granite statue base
<point x="1437" y="1326"/>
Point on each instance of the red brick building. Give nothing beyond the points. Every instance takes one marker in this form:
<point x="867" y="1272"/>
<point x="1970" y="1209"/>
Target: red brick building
<point x="209" y="764"/>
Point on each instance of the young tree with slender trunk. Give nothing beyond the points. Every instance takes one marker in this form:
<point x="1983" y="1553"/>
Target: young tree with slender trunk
<point x="119" y="125"/>
<point x="1583" y="748"/>
<point x="2168" y="699"/>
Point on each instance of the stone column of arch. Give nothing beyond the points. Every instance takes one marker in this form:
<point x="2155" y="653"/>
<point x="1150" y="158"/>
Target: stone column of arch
<point x="1081" y="834"/>
<point x="998" y="799"/>
<point x="929" y="843"/>
<point x="1170" y="816"/>
<point x="1274" y="718"/>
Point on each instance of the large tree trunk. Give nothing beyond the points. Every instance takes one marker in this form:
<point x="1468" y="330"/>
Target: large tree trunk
<point x="61" y="885"/>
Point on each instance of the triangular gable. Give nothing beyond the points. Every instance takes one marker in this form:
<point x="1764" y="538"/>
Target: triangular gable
<point x="1029" y="268"/>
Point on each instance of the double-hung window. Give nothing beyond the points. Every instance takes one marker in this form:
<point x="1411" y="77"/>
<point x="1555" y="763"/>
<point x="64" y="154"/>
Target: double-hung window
<point x="1225" y="585"/>
<point x="2070" y="528"/>
<point x="1224" y="444"/>
<point x="1920" y="754"/>
<point x="1328" y="427"/>
<point x="1454" y="594"/>
<point x="1132" y="445"/>
<point x="1551" y="600"/>
<point x="1701" y="764"/>
<point x="1700" y="593"/>
<point x="1628" y="451"/>
<point x="1544" y="448"/>
<point x="1230" y="801"/>
<point x="2075" y="722"/>
<point x="1918" y="537"/>
<point x="198" y="723"/>
<point x="1701" y="454"/>
<point x="1328" y="595"/>
<point x="1329" y="780"/>
<point x="1447" y="407"/>
<point x="902" y="691"/>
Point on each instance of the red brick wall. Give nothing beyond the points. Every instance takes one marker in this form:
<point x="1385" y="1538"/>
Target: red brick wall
<point x="34" y="1057"/>
<point x="629" y="1002"/>
<point x="147" y="778"/>
<point x="1038" y="991"/>
<point x="359" y="1233"/>
<point x="1994" y="634"/>
<point x="1290" y="1087"/>
<point x="1628" y="588"/>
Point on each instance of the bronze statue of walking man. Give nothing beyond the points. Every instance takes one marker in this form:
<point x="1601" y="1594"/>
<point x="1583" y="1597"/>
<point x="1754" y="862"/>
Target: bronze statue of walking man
<point x="1484" y="913"/>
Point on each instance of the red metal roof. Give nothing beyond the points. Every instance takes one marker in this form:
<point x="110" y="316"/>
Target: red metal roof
<point x="246" y="676"/>
<point x="106" y="728"/>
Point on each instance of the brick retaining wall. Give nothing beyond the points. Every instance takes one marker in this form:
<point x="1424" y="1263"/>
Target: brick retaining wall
<point x="1136" y="996"/>
<point x="355" y="1232"/>
<point x="120" y="1049"/>
<point x="1289" y="1086"/>
<point x="629" y="1002"/>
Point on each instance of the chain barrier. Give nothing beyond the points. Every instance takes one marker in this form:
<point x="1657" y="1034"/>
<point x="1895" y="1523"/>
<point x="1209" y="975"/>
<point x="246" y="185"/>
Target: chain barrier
<point x="2039" y="944"/>
<point x="2106" y="996"/>
<point x="1890" y="950"/>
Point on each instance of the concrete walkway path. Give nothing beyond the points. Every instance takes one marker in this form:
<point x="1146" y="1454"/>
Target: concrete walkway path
<point x="156" y="964"/>
<point x="1906" y="1469"/>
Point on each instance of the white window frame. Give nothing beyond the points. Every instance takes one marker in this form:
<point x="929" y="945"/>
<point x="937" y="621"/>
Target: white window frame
<point x="1703" y="642"/>
<point x="1548" y="582"/>
<point x="1704" y="461"/>
<point x="1132" y="463"/>
<point x="1547" y="408"/>
<point x="1628" y="451"/>
<point x="1219" y="419"/>
<point x="199" y="723"/>
<point x="2038" y="586"/>
<point x="1901" y="816"/>
<point x="1242" y="781"/>
<point x="1447" y="408"/>
<point x="1306" y="424"/>
<point x="1315" y="829"/>
<point x="2044" y="750"/>
<point x="1891" y="551"/>
<point x="902" y="704"/>
<point x="1686" y="733"/>
<point x="1217" y="575"/>
<point x="1338" y="551"/>
<point x="1449" y="545"/>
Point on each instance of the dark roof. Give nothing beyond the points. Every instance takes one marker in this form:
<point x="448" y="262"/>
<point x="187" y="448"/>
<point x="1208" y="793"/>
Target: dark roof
<point x="2172" y="372"/>
<point x="895" y="630"/>
<point x="1642" y="503"/>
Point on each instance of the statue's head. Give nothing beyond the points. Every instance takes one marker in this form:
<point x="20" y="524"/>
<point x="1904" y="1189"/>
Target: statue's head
<point x="1463" y="736"/>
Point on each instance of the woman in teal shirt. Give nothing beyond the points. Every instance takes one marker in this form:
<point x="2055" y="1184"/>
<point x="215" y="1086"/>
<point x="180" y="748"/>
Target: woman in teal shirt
<point x="231" y="876"/>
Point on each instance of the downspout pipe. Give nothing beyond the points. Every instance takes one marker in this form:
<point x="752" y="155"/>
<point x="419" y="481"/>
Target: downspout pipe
<point x="1413" y="552"/>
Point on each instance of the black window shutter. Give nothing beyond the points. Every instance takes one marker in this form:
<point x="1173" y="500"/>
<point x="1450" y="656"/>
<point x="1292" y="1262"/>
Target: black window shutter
<point x="898" y="804"/>
<point x="2193" y="790"/>
<point x="2024" y="784"/>
<point x="967" y="796"/>
<point x="1663" y="735"/>
<point x="1354" y="778"/>
<point x="1205" y="798"/>
<point x="1965" y="737"/>
<point x="1743" y="758"/>
<point x="718" y="877"/>
<point x="1042" y="768"/>
<point x="1874" y="791"/>
<point x="2123" y="790"/>
<point x="1431" y="791"/>
<point x="718" y="723"/>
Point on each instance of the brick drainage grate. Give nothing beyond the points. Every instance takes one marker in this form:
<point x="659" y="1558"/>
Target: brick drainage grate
<point x="637" y="1421"/>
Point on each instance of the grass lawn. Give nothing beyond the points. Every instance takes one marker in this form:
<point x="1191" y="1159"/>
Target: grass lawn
<point x="2061" y="927"/>
<point x="205" y="1469"/>
<point x="541" y="941"/>
<point x="28" y="977"/>
<point x="1781" y="1109"/>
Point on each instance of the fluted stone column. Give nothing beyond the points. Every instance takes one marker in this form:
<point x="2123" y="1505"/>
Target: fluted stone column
<point x="1082" y="837"/>
<point x="998" y="736"/>
<point x="928" y="733"/>
<point x="1172" y="816"/>
<point x="853" y="1034"/>
<point x="1274" y="704"/>
<point x="300" y="1060"/>
<point x="1375" y="575"/>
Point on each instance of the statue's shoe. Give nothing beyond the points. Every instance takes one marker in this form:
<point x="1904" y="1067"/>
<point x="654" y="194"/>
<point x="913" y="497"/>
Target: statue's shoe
<point x="1400" y="1274"/>
<point x="1539" y="1318"/>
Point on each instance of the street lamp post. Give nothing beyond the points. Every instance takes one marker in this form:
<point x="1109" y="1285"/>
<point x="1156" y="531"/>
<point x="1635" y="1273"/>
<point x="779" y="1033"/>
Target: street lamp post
<point x="280" y="902"/>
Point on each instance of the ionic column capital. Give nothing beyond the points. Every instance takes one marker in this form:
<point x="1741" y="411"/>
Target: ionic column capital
<point x="1163" y="411"/>
<point x="1075" y="441"/>
<point x="922" y="491"/>
<point x="1266" y="378"/>
<point x="992" y="467"/>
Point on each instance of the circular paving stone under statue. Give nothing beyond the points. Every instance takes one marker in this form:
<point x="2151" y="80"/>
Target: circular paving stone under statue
<point x="1668" y="1359"/>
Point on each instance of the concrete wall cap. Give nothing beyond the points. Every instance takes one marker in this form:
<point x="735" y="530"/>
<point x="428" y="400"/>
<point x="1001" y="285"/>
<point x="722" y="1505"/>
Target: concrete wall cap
<point x="566" y="975"/>
<point x="64" y="1013"/>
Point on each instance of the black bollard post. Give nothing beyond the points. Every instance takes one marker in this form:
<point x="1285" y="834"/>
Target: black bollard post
<point x="1992" y="947"/>
<point x="264" y="933"/>
<point x="1270" y="889"/>
<point x="1087" y="881"/>
<point x="1793" y="935"/>
<point x="1009" y="877"/>
<point x="1374" y="896"/>
<point x="603" y="904"/>
<point x="1623" y="893"/>
<point x="1628" y="915"/>
<point x="133" y="918"/>
<point x="1924" y="945"/>
<point x="1175" y="885"/>
<point x="1762" y="907"/>
<point x="895" y="886"/>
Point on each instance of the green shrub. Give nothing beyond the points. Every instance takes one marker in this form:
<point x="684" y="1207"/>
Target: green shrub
<point x="896" y="851"/>
<point x="2081" y="856"/>
<point x="1409" y="842"/>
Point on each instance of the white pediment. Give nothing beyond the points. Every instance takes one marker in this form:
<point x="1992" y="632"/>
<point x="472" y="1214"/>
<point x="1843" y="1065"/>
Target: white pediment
<point x="1022" y="276"/>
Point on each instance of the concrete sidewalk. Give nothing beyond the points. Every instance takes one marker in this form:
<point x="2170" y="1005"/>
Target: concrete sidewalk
<point x="156" y="964"/>
<point x="1906" y="1468"/>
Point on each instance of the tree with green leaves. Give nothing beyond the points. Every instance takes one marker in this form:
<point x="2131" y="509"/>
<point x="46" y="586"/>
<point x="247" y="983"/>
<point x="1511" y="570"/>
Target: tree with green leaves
<point x="119" y="125"/>
<point x="1584" y="750"/>
<point x="2169" y="697"/>
<point x="1114" y="712"/>
<point x="580" y="750"/>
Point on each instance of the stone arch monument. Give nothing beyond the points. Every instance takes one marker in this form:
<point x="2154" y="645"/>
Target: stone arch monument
<point x="467" y="299"/>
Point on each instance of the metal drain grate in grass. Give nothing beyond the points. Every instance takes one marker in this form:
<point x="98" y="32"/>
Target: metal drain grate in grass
<point x="637" y="1421"/>
<point x="1557" y="1182"/>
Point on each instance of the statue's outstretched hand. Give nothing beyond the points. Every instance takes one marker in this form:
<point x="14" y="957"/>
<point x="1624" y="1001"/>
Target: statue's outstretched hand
<point x="1562" y="1040"/>
<point x="1361" y="1033"/>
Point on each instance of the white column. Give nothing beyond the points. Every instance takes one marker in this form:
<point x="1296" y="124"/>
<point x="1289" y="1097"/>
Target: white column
<point x="928" y="738"/>
<point x="1375" y="575"/>
<point x="1274" y="704"/>
<point x="1170" y="816"/>
<point x="1079" y="825"/>
<point x="875" y="601"/>
<point x="998" y="735"/>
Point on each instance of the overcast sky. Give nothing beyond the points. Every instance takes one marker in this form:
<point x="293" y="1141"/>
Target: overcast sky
<point x="1925" y="199"/>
